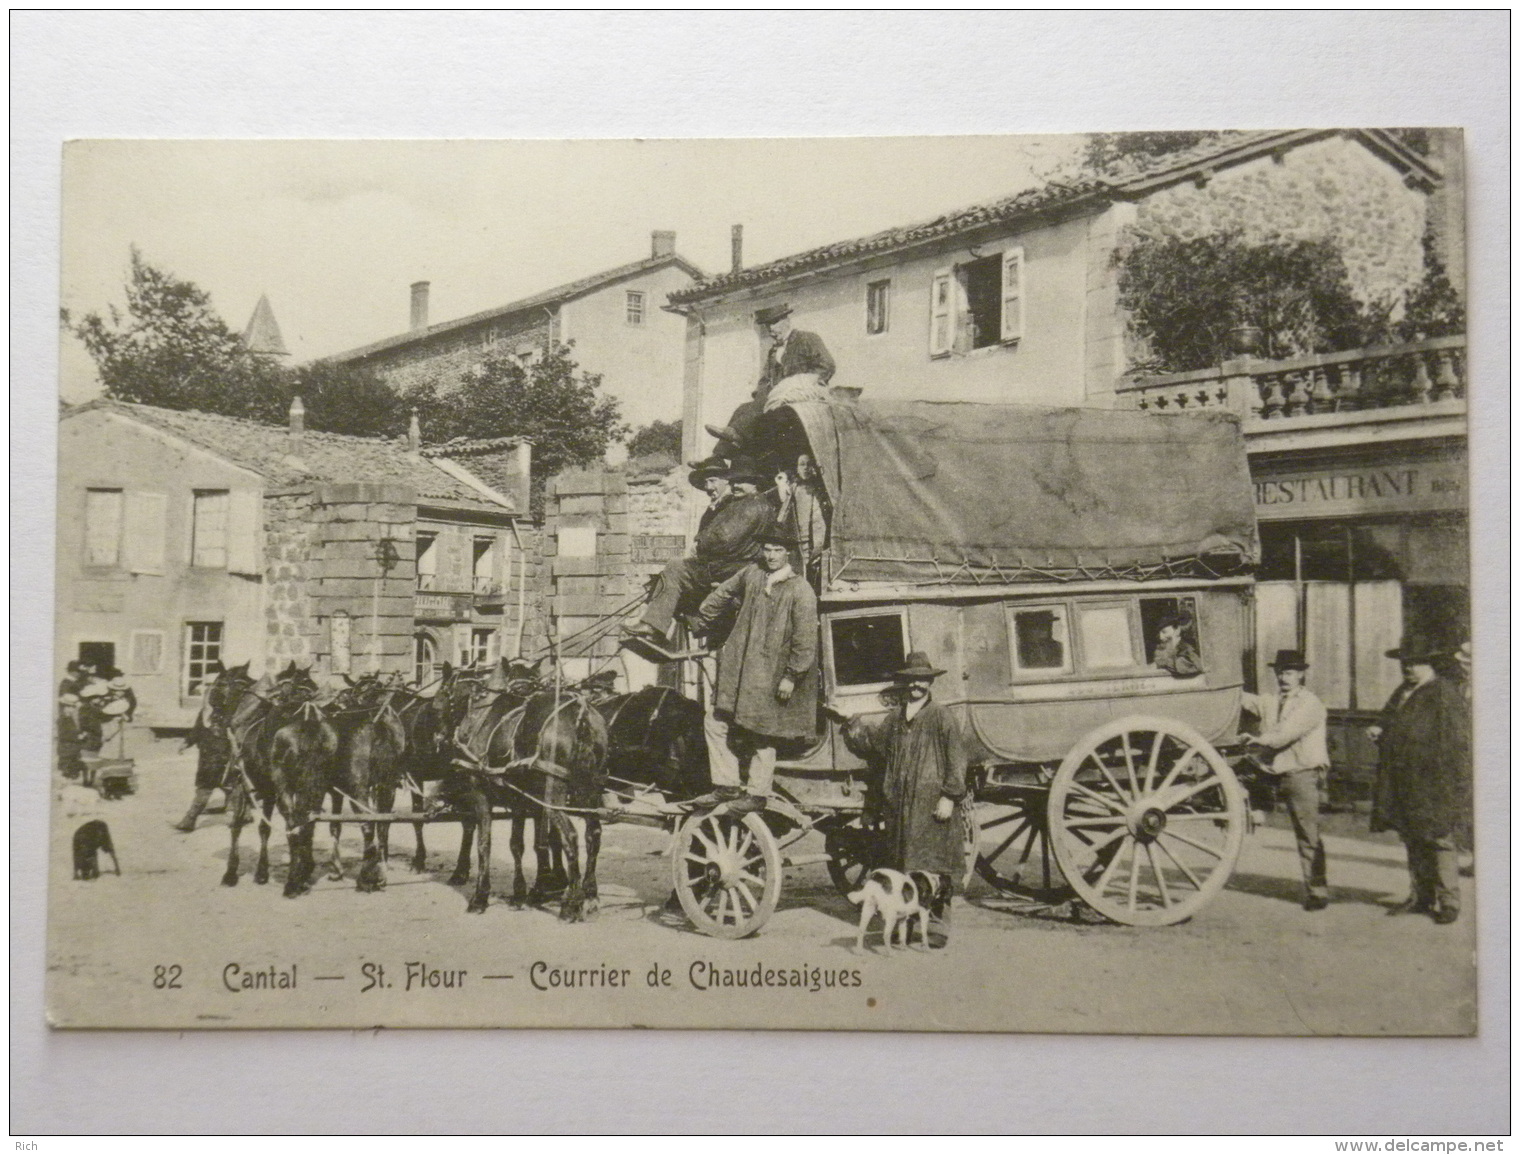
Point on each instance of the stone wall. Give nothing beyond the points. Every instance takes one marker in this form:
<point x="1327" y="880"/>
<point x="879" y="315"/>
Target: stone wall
<point x="586" y="565"/>
<point x="290" y="622"/>
<point x="444" y="360"/>
<point x="1331" y="189"/>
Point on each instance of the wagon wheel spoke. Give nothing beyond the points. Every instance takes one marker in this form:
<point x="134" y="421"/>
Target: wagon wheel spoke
<point x="744" y="898"/>
<point x="1179" y="864"/>
<point x="746" y="876"/>
<point x="1171" y="775"/>
<point x="1004" y="819"/>
<point x="1082" y="823"/>
<point x="1151" y="762"/>
<point x="1196" y="845"/>
<point x="1134" y="877"/>
<point x="1083" y="791"/>
<point x="1100" y="884"/>
<point x="1009" y="841"/>
<point x="1166" y="895"/>
<point x="1129" y="762"/>
<point x="1111" y="837"/>
<point x="709" y="844"/>
<point x="1111" y="780"/>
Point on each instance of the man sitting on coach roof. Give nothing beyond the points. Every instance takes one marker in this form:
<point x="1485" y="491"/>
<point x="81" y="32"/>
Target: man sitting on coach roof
<point x="798" y="367"/>
<point x="727" y="541"/>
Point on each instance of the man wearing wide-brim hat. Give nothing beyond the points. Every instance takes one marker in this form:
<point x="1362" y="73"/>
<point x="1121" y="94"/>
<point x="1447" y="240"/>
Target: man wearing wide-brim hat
<point x="727" y="541"/>
<point x="1423" y="747"/>
<point x="1293" y="748"/>
<point x="767" y="690"/>
<point x="798" y="367"/>
<point x="917" y="755"/>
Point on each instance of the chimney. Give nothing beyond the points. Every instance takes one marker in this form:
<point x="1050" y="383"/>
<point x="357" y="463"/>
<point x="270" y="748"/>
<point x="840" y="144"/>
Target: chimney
<point x="414" y="433"/>
<point x="520" y="465"/>
<point x="662" y="243"/>
<point x="736" y="247"/>
<point x="297" y="422"/>
<point x="420" y="304"/>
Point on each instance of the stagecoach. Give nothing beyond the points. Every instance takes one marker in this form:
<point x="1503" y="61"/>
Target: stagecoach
<point x="1034" y="555"/>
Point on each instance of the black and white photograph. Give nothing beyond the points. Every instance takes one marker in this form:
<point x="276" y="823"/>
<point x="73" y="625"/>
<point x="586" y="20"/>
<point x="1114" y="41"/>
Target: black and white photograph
<point x="702" y="609"/>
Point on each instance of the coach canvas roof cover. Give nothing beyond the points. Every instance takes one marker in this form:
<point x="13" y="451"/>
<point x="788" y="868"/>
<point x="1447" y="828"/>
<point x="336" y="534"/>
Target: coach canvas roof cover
<point x="942" y="492"/>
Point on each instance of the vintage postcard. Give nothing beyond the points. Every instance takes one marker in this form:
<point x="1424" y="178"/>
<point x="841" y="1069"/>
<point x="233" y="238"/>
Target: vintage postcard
<point x="956" y="584"/>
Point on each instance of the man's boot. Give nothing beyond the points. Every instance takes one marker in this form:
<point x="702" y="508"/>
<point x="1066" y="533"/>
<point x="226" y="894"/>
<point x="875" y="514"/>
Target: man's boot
<point x="187" y="824"/>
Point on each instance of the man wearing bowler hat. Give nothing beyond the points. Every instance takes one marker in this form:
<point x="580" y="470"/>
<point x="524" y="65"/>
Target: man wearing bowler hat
<point x="727" y="541"/>
<point x="1292" y="747"/>
<point x="797" y="367"/>
<point x="920" y="754"/>
<point x="1423" y="741"/>
<point x="767" y="690"/>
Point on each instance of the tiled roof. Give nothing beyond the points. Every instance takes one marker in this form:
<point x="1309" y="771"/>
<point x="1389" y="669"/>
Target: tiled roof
<point x="332" y="457"/>
<point x="553" y="296"/>
<point x="1126" y="181"/>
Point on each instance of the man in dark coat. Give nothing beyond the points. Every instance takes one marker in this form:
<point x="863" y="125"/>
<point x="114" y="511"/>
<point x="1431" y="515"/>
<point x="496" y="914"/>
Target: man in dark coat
<point x="919" y="753"/>
<point x="1422" y="753"/>
<point x="798" y="367"/>
<point x="767" y="688"/>
<point x="727" y="541"/>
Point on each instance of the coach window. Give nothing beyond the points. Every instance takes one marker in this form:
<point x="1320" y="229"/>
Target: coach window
<point x="867" y="649"/>
<point x="1107" y="637"/>
<point x="1040" y="641"/>
<point x="1155" y="611"/>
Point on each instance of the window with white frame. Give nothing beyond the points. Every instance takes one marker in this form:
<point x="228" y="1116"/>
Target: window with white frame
<point x="977" y="304"/>
<point x="208" y="528"/>
<point x="878" y="306"/>
<point x="634" y="309"/>
<point x="427" y="561"/>
<point x="203" y="655"/>
<point x="478" y="647"/>
<point x="102" y="526"/>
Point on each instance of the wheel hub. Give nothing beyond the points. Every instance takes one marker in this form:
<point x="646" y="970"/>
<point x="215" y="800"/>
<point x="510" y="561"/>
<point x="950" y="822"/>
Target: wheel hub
<point x="1146" y="823"/>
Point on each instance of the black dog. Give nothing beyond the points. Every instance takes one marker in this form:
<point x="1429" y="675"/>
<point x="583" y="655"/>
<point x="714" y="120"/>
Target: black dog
<point x="90" y="841"/>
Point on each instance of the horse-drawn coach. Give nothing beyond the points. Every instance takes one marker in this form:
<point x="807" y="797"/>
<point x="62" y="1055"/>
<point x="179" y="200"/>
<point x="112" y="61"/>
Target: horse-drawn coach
<point x="1082" y="576"/>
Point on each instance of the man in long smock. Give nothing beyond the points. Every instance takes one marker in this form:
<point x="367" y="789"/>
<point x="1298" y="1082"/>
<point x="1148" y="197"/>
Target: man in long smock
<point x="767" y="688"/>
<point x="1423" y="742"/>
<point x="728" y="540"/>
<point x="920" y="753"/>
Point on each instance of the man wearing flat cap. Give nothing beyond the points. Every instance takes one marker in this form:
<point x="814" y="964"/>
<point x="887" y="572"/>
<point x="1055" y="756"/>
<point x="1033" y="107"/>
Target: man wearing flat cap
<point x="1292" y="747"/>
<point x="767" y="689"/>
<point x="1423" y="747"/>
<point x="919" y="752"/>
<point x="727" y="541"/>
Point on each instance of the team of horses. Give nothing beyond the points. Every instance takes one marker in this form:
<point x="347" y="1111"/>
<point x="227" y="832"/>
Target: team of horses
<point x="501" y="741"/>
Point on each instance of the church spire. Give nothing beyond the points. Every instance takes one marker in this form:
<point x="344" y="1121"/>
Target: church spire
<point x="263" y="332"/>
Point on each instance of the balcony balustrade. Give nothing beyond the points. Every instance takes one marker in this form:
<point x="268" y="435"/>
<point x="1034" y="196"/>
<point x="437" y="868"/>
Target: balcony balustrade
<point x="1378" y="377"/>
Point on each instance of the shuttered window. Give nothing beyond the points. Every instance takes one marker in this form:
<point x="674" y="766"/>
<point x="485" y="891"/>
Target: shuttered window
<point x="144" y="532"/>
<point x="245" y="532"/>
<point x="1013" y="294"/>
<point x="102" y="526"/>
<point x="941" y="314"/>
<point x="147" y="652"/>
<point x="208" y="529"/>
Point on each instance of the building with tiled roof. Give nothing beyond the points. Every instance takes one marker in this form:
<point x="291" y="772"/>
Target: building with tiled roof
<point x="1016" y="300"/>
<point x="188" y="539"/>
<point x="614" y="318"/>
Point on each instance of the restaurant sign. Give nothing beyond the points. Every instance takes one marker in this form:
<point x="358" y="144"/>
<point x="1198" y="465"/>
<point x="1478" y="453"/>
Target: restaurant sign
<point x="1404" y="487"/>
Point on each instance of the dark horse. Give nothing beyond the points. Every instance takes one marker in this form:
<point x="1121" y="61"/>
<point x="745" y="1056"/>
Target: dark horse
<point x="655" y="741"/>
<point x="284" y="753"/>
<point x="210" y="738"/>
<point x="543" y="756"/>
<point x="367" y="767"/>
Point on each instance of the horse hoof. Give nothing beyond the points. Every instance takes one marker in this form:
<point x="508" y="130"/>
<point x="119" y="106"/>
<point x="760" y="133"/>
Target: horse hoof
<point x="365" y="886"/>
<point x="475" y="908"/>
<point x="335" y="875"/>
<point x="261" y="877"/>
<point x="419" y="866"/>
<point x="572" y="914"/>
<point x="458" y="879"/>
<point x="229" y="880"/>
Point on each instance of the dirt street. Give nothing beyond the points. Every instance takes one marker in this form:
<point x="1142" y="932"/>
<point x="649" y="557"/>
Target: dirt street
<point x="165" y="945"/>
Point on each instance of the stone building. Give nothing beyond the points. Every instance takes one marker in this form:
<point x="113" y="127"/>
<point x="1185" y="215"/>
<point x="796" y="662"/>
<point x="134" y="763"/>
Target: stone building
<point x="614" y="317"/>
<point x="188" y="538"/>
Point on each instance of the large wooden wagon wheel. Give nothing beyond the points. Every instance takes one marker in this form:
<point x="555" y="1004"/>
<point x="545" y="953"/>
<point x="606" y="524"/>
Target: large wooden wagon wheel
<point x="727" y="873"/>
<point x="853" y="847"/>
<point x="1014" y="854"/>
<point x="1146" y="820"/>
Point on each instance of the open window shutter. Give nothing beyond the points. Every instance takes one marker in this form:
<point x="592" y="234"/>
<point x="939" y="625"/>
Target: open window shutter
<point x="941" y="313"/>
<point x="144" y="532"/>
<point x="456" y="561"/>
<point x="1013" y="294"/>
<point x="245" y="532"/>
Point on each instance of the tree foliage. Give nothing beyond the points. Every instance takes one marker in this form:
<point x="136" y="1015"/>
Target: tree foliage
<point x="1184" y="296"/>
<point x="563" y="411"/>
<point x="349" y="399"/>
<point x="170" y="348"/>
<point x="655" y="438"/>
